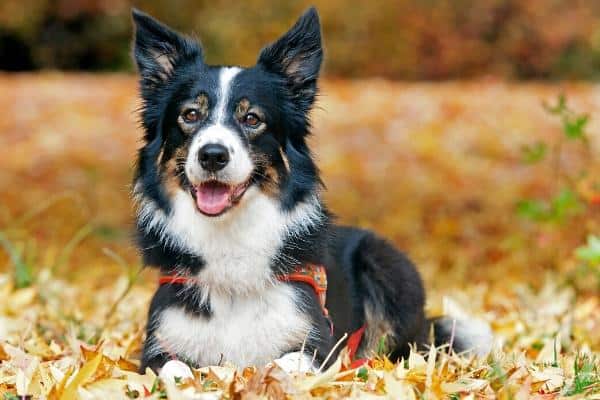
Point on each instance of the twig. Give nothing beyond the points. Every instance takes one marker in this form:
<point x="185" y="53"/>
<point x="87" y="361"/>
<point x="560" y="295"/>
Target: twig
<point x="302" y="352"/>
<point x="452" y="334"/>
<point x="331" y="352"/>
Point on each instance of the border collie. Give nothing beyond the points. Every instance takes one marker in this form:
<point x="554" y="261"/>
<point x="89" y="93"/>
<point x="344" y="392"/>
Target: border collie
<point x="229" y="201"/>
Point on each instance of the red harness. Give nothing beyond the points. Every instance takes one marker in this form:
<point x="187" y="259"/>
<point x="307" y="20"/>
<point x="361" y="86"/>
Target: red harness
<point x="311" y="274"/>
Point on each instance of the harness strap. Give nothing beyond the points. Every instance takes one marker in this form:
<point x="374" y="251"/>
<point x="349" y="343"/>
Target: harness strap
<point x="315" y="276"/>
<point x="168" y="279"/>
<point x="353" y="343"/>
<point x="311" y="274"/>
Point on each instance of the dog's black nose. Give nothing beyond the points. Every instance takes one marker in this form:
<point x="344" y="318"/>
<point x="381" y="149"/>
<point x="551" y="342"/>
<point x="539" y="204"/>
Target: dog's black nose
<point x="213" y="157"/>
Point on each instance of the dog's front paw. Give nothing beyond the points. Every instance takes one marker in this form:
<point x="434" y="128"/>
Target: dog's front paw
<point x="174" y="370"/>
<point x="296" y="362"/>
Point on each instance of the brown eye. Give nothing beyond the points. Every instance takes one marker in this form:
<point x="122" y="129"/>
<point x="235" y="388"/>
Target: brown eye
<point x="191" y="116"/>
<point x="251" y="120"/>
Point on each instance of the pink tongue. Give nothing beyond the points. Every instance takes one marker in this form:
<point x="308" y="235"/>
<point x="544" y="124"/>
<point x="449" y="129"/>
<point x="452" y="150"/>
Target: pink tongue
<point x="212" y="198"/>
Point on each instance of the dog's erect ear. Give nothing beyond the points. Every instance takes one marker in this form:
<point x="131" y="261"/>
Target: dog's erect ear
<point x="297" y="56"/>
<point x="158" y="50"/>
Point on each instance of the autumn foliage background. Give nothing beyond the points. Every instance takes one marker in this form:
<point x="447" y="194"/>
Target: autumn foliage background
<point x="464" y="131"/>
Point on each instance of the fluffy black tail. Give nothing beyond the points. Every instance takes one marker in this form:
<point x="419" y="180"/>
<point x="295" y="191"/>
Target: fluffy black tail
<point x="387" y="288"/>
<point x="391" y="298"/>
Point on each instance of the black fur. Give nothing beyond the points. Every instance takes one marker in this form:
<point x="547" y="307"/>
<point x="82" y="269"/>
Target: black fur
<point x="369" y="280"/>
<point x="297" y="56"/>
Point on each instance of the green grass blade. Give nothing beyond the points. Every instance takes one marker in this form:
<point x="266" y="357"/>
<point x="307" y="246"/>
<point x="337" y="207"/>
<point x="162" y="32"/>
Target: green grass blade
<point x="23" y="276"/>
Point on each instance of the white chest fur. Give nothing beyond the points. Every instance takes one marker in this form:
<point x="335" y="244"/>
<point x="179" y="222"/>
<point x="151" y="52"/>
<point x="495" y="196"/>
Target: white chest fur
<point x="238" y="247"/>
<point x="250" y="330"/>
<point x="254" y="318"/>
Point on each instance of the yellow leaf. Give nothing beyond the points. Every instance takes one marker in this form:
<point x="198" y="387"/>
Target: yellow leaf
<point x="127" y="365"/>
<point x="430" y="365"/>
<point x="315" y="381"/>
<point x="396" y="389"/>
<point x="21" y="299"/>
<point x="86" y="372"/>
<point x="416" y="362"/>
<point x="552" y="377"/>
<point x="464" y="385"/>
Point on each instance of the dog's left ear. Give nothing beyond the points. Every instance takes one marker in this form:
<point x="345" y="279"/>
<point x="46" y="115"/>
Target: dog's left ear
<point x="297" y="56"/>
<point x="158" y="50"/>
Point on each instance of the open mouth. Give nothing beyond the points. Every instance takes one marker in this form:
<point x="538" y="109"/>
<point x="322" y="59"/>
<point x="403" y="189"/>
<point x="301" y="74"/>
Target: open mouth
<point x="213" y="198"/>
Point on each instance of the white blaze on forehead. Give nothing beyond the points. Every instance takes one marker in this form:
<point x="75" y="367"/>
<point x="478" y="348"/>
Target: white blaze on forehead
<point x="240" y="165"/>
<point x="225" y="79"/>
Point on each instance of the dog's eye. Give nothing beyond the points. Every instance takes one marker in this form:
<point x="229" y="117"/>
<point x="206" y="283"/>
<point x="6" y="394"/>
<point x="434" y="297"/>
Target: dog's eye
<point x="251" y="120"/>
<point x="191" y="116"/>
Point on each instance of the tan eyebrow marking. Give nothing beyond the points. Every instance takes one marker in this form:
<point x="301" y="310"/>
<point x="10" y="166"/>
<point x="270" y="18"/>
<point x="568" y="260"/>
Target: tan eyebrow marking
<point x="200" y="104"/>
<point x="202" y="101"/>
<point x="171" y="171"/>
<point x="244" y="107"/>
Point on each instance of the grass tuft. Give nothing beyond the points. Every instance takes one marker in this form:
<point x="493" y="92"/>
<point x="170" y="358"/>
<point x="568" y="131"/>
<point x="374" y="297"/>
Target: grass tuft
<point x="586" y="375"/>
<point x="23" y="276"/>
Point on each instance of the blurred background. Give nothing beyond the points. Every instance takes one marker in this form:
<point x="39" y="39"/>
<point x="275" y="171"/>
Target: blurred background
<point x="396" y="39"/>
<point x="463" y="173"/>
<point x="466" y="132"/>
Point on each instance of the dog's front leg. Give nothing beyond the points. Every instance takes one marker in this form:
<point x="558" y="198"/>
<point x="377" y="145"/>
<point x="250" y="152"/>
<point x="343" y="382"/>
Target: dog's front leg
<point x="154" y="362"/>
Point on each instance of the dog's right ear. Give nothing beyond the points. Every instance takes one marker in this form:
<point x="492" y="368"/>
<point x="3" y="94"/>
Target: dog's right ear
<point x="158" y="50"/>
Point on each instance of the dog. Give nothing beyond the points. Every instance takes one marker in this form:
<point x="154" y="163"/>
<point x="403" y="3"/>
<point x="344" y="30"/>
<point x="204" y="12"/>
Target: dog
<point x="229" y="208"/>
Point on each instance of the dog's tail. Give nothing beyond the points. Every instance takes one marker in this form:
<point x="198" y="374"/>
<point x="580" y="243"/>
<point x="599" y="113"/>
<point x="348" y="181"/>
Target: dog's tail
<point x="393" y="298"/>
<point x="463" y="334"/>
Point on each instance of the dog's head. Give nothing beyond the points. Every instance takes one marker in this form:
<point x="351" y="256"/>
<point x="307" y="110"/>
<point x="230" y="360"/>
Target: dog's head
<point x="213" y="132"/>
